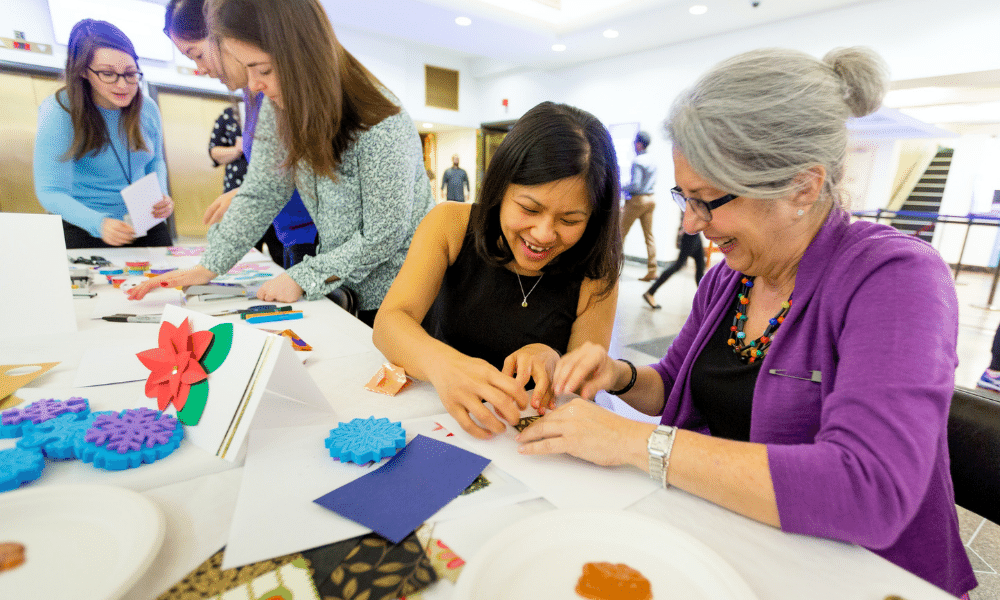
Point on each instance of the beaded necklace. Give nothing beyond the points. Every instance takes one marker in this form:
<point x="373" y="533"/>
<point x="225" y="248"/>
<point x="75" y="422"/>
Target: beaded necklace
<point x="750" y="352"/>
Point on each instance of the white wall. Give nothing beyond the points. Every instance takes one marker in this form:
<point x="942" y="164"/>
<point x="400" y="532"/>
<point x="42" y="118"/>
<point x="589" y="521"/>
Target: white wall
<point x="462" y="143"/>
<point x="918" y="38"/>
<point x="399" y="65"/>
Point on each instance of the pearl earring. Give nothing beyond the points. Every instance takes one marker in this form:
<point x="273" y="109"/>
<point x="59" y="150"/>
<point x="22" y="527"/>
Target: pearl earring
<point x="801" y="212"/>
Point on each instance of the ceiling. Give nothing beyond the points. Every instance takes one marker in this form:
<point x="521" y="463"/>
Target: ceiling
<point x="511" y="35"/>
<point x="507" y="36"/>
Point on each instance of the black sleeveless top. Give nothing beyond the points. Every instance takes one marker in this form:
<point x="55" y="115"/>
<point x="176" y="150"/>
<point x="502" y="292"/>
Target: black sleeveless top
<point x="722" y="385"/>
<point x="478" y="310"/>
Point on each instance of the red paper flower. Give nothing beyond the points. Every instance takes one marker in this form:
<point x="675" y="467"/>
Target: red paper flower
<point x="174" y="364"/>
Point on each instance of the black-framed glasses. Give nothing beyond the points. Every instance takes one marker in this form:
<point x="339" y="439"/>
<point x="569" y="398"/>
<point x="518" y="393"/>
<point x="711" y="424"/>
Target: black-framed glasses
<point x="701" y="208"/>
<point x="111" y="78"/>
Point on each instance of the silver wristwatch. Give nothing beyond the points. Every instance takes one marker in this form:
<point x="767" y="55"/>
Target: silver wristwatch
<point x="660" y="443"/>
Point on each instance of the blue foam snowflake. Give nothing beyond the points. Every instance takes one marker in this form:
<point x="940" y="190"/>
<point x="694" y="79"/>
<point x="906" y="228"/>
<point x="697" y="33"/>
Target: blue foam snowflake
<point x="12" y="420"/>
<point x="58" y="437"/>
<point x="365" y="440"/>
<point x="19" y="465"/>
<point x="130" y="438"/>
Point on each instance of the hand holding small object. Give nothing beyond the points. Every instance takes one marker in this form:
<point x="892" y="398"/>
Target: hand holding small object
<point x="536" y="362"/>
<point x="590" y="432"/>
<point x="116" y="233"/>
<point x="196" y="275"/>
<point x="164" y="208"/>
<point x="463" y="382"/>
<point x="585" y="371"/>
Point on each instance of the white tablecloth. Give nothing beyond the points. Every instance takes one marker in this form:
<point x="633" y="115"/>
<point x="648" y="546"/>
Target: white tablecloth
<point x="197" y="492"/>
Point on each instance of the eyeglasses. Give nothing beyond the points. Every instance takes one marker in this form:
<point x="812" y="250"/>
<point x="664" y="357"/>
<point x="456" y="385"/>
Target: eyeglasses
<point x="701" y="208"/>
<point x="111" y="78"/>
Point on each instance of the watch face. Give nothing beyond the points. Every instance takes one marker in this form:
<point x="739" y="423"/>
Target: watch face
<point x="660" y="440"/>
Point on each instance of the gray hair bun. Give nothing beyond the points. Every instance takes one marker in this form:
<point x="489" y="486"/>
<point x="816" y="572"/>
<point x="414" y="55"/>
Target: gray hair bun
<point x="865" y="77"/>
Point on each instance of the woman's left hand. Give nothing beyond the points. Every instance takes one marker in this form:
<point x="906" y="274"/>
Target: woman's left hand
<point x="537" y="362"/>
<point x="584" y="430"/>
<point x="280" y="289"/>
<point x="164" y="208"/>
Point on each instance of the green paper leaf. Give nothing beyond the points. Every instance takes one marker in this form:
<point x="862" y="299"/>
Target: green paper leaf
<point x="218" y="351"/>
<point x="195" y="405"/>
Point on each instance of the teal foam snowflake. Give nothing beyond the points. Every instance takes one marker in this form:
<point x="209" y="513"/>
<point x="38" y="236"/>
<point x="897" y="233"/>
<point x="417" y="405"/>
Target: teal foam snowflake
<point x="19" y="465"/>
<point x="365" y="440"/>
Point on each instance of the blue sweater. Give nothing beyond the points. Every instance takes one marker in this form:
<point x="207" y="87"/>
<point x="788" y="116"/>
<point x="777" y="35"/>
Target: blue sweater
<point x="84" y="192"/>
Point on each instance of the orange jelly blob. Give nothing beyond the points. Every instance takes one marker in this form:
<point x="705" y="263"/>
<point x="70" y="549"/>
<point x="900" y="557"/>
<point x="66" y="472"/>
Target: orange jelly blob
<point x="607" y="581"/>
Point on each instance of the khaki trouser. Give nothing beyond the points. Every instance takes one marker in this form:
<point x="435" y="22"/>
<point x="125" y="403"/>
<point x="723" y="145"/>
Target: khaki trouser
<point x="641" y="207"/>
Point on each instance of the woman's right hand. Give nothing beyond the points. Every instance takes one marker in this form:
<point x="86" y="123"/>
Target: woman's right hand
<point x="196" y="275"/>
<point x="218" y="207"/>
<point x="116" y="233"/>
<point x="585" y="371"/>
<point x="464" y="382"/>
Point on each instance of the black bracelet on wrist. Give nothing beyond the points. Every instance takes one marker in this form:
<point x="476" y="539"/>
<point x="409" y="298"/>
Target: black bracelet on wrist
<point x="631" y="382"/>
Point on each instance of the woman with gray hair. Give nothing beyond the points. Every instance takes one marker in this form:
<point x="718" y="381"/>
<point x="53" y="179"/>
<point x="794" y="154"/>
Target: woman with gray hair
<point x="809" y="387"/>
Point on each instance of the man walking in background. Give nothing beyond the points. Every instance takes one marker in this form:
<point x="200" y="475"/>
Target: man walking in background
<point x="640" y="204"/>
<point x="456" y="180"/>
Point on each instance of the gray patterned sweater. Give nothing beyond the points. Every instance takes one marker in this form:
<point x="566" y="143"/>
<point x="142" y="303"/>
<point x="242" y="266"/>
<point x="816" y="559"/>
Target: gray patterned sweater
<point x="365" y="219"/>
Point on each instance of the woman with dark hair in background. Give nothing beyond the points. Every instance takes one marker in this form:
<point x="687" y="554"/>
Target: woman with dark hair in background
<point x="292" y="235"/>
<point x="96" y="137"/>
<point x="331" y="129"/>
<point x="505" y="286"/>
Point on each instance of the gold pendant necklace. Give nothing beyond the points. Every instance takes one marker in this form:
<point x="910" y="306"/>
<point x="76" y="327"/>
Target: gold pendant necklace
<point x="524" y="301"/>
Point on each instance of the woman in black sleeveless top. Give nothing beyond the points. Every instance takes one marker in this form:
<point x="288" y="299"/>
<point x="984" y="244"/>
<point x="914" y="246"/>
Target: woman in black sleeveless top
<point x="492" y="294"/>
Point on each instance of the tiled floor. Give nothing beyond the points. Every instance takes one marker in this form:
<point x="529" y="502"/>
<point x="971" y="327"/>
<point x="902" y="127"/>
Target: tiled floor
<point x="640" y="334"/>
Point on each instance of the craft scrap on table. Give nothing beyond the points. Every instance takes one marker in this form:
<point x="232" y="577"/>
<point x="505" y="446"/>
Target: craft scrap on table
<point x="426" y="472"/>
<point x="388" y="380"/>
<point x="14" y="377"/>
<point x="525" y="421"/>
<point x="186" y="250"/>
<point x="361" y="567"/>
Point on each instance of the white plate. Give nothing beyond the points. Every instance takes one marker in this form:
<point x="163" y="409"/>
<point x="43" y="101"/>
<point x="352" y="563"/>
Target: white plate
<point x="81" y="541"/>
<point x="543" y="557"/>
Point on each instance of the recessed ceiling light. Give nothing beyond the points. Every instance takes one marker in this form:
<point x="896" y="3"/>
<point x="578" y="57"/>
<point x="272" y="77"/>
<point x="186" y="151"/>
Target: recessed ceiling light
<point x="610" y="33"/>
<point x="698" y="9"/>
<point x="558" y="47"/>
<point x="428" y="125"/>
<point x="463" y="21"/>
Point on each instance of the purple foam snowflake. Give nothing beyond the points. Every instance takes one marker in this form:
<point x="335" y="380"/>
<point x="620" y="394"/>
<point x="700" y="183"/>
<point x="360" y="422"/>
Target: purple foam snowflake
<point x="131" y="429"/>
<point x="42" y="410"/>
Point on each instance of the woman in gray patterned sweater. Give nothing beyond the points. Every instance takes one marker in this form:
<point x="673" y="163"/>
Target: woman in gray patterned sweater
<point x="330" y="129"/>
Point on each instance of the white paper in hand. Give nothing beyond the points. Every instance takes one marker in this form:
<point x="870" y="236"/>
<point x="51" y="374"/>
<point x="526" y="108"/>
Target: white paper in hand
<point x="139" y="199"/>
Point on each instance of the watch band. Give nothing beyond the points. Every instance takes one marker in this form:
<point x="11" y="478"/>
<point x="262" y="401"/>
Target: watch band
<point x="659" y="445"/>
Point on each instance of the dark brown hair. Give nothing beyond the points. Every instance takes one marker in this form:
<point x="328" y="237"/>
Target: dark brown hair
<point x="90" y="134"/>
<point x="185" y="20"/>
<point x="329" y="97"/>
<point x="551" y="142"/>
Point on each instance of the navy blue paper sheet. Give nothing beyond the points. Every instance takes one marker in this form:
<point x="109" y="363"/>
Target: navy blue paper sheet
<point x="400" y="495"/>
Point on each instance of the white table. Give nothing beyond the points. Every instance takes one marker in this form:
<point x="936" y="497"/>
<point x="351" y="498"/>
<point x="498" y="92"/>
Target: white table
<point x="197" y="492"/>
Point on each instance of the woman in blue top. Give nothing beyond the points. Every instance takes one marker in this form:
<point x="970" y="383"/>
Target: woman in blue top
<point x="293" y="228"/>
<point x="95" y="137"/>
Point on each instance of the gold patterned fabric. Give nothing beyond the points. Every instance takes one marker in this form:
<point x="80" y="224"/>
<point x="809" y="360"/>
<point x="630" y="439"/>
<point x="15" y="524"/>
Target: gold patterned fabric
<point x="209" y="580"/>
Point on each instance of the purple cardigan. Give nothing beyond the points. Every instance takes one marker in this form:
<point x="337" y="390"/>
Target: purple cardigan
<point x="861" y="456"/>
